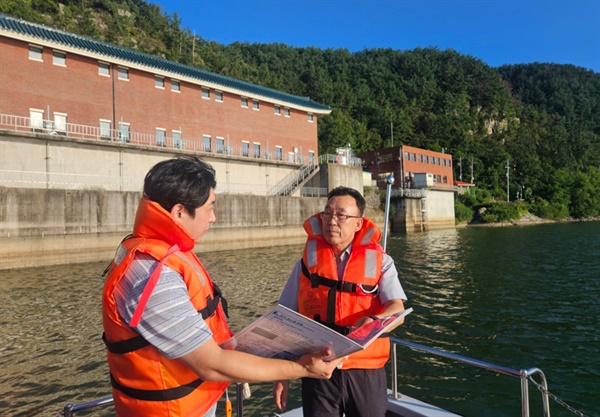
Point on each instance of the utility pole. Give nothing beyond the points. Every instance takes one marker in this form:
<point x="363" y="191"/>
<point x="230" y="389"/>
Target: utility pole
<point x="193" y="47"/>
<point x="472" y="177"/>
<point x="460" y="166"/>
<point x="392" y="128"/>
<point x="507" y="179"/>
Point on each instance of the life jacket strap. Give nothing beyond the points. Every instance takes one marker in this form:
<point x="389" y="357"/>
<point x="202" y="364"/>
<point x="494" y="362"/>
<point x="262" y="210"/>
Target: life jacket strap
<point x="334" y="286"/>
<point x="344" y="330"/>
<point x="168" y="394"/>
<point x="125" y="346"/>
<point x="342" y="286"/>
<point x="212" y="303"/>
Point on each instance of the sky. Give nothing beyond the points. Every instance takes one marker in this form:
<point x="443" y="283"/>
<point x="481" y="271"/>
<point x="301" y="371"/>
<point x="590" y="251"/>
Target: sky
<point x="496" y="31"/>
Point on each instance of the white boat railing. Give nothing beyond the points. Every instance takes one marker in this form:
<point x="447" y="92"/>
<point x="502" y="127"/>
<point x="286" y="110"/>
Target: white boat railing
<point x="525" y="375"/>
<point x="69" y="409"/>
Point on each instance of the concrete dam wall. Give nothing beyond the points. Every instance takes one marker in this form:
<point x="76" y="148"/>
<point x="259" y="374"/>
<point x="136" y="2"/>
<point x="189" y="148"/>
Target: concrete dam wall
<point x="46" y="227"/>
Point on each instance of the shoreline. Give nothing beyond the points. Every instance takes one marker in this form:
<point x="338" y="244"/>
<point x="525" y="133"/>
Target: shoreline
<point x="525" y="220"/>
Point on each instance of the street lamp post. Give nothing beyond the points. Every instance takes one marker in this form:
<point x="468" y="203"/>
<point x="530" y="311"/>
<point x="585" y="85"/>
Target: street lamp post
<point x="389" y="180"/>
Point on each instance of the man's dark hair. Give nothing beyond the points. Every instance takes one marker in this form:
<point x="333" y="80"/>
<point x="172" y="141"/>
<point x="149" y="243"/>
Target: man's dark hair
<point x="341" y="191"/>
<point x="184" y="180"/>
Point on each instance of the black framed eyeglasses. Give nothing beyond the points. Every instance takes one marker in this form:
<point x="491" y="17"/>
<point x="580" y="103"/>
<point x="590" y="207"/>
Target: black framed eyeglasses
<point x="326" y="216"/>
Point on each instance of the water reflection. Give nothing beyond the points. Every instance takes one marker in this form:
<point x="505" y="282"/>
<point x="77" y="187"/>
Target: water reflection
<point x="51" y="350"/>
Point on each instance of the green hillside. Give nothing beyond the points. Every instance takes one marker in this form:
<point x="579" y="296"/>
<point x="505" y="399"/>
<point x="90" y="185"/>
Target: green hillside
<point x="541" y="122"/>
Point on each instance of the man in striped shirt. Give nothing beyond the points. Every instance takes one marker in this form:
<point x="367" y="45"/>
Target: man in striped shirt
<point x="176" y="211"/>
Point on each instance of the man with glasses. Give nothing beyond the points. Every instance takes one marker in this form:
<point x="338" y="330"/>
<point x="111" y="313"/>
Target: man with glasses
<point x="344" y="280"/>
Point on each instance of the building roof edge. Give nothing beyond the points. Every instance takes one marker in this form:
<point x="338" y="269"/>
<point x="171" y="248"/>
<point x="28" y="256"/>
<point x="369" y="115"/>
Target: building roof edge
<point x="21" y="29"/>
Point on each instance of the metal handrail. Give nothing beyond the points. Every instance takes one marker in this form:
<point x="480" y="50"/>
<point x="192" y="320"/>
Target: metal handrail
<point x="69" y="410"/>
<point x="125" y="137"/>
<point x="522" y="374"/>
<point x="293" y="180"/>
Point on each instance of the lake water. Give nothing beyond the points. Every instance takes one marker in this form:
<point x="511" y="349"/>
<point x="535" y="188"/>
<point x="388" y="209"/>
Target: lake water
<point x="519" y="297"/>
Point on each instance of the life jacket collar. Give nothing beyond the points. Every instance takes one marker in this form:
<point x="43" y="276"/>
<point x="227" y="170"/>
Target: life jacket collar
<point x="154" y="222"/>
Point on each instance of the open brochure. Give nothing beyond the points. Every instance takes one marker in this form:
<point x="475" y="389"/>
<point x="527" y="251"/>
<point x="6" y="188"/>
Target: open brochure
<point x="285" y="334"/>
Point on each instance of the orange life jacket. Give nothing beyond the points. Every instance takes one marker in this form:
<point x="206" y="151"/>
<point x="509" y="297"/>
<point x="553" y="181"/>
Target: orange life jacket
<point x="145" y="383"/>
<point x="339" y="302"/>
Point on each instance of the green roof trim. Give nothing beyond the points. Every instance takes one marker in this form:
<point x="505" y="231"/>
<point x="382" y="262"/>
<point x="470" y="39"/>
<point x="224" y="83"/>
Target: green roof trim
<point x="83" y="43"/>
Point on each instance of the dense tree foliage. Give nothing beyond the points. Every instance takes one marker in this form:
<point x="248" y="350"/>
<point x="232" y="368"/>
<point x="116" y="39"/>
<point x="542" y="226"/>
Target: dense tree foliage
<point x="534" y="126"/>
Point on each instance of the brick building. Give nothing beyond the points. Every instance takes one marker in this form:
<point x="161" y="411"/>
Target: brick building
<point x="65" y="84"/>
<point x="404" y="162"/>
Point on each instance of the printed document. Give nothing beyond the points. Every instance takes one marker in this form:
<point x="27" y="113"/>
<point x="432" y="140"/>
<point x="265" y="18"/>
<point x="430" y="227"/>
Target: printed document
<point x="285" y="334"/>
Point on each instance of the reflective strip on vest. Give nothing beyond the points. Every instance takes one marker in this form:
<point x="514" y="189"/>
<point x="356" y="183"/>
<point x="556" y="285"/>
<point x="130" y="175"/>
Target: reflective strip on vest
<point x="367" y="236"/>
<point x="191" y="264"/>
<point x="315" y="225"/>
<point x="120" y="254"/>
<point x="311" y="253"/>
<point x="371" y="264"/>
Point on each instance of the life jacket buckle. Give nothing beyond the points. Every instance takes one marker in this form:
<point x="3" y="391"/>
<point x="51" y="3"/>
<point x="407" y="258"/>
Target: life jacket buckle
<point x="361" y="290"/>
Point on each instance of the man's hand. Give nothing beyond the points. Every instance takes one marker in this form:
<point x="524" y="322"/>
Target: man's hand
<point x="362" y="321"/>
<point x="280" y="392"/>
<point x="317" y="364"/>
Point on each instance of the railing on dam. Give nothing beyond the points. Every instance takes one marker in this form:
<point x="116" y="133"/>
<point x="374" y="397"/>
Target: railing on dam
<point x="124" y="136"/>
<point x="409" y="192"/>
<point x="51" y="171"/>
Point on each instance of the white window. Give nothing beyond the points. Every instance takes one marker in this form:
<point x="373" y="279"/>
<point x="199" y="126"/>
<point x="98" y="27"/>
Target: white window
<point x="205" y="92"/>
<point x="244" y="102"/>
<point x="311" y="157"/>
<point x="36" y="53"/>
<point x="36" y="119"/>
<point x="206" y="143"/>
<point x="218" y="95"/>
<point x="291" y="157"/>
<point x="124" y="132"/>
<point x="286" y="112"/>
<point x="59" y="58"/>
<point x="255" y="105"/>
<point x="60" y="122"/>
<point x="159" y="82"/>
<point x="220" y="145"/>
<point x="177" y="142"/>
<point x="104" y="69"/>
<point x="278" y="153"/>
<point x="245" y="148"/>
<point x="123" y="73"/>
<point x="310" y="117"/>
<point x="256" y="150"/>
<point x="278" y="110"/>
<point x="175" y="86"/>
<point x="161" y="137"/>
<point x="105" y="129"/>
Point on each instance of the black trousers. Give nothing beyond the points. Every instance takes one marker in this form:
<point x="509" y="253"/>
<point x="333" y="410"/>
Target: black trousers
<point x="352" y="392"/>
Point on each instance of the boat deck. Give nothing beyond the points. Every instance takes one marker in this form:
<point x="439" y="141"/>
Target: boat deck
<point x="405" y="406"/>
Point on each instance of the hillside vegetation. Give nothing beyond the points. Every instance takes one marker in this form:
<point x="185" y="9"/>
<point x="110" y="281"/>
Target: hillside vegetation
<point x="538" y="122"/>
